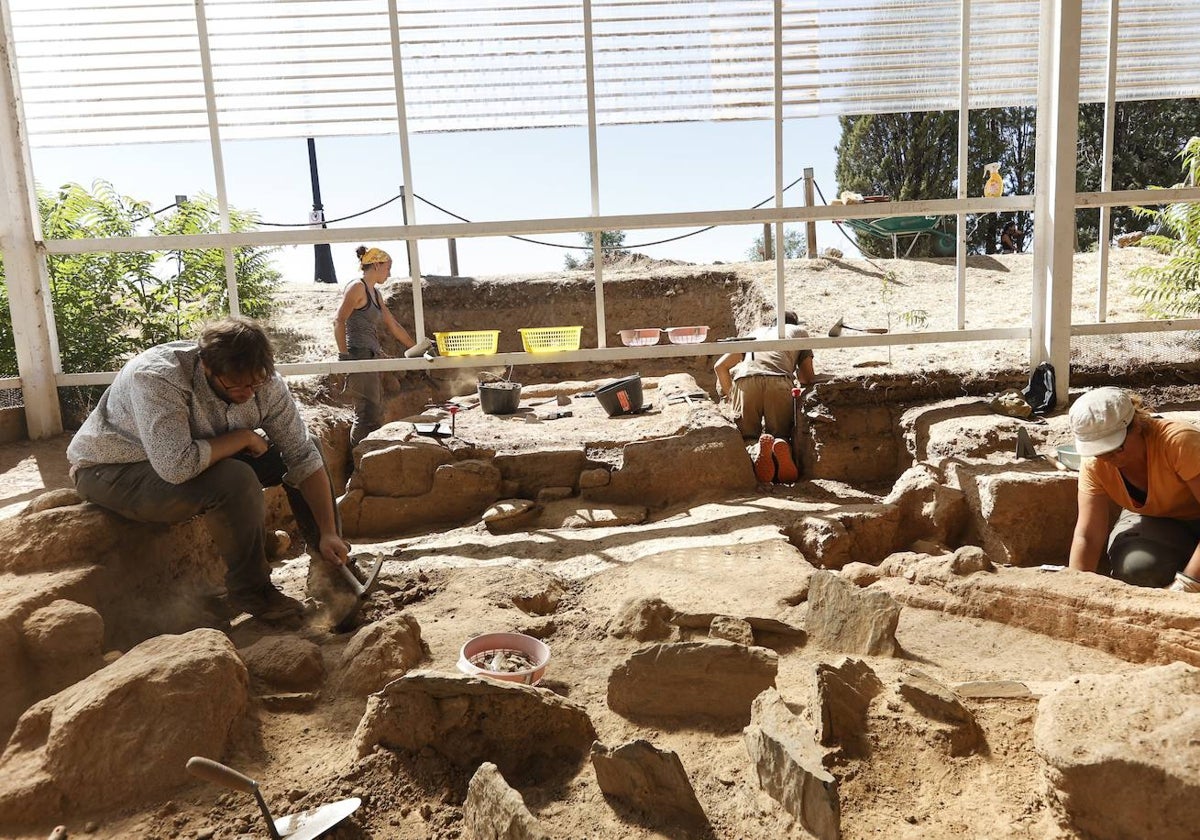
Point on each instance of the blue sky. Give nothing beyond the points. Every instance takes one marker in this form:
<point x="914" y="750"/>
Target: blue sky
<point x="533" y="173"/>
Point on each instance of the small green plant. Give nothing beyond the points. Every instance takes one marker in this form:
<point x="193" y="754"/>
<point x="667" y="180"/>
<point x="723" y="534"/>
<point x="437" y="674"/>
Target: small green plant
<point x="914" y="319"/>
<point x="1172" y="290"/>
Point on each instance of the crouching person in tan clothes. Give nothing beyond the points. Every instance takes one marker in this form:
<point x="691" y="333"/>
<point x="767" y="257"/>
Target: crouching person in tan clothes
<point x="760" y="386"/>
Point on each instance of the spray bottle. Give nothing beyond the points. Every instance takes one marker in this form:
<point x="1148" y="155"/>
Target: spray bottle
<point x="994" y="188"/>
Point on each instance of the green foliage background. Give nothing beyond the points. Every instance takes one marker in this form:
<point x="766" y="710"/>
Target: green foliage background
<point x="108" y="307"/>
<point x="915" y="156"/>
<point x="1172" y="290"/>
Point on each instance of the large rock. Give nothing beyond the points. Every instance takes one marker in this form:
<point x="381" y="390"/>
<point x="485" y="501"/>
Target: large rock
<point x="64" y="641"/>
<point x="929" y="509"/>
<point x="405" y="468"/>
<point x="494" y="811"/>
<point x="788" y="764"/>
<point x="644" y="619"/>
<point x="379" y="653"/>
<point x="713" y="680"/>
<point x="843" y="695"/>
<point x="651" y="782"/>
<point x="534" y="471"/>
<point x="459" y="491"/>
<point x="530" y="734"/>
<point x="843" y="618"/>
<point x="708" y="461"/>
<point x="953" y="725"/>
<point x="1123" y="752"/>
<point x="285" y="662"/>
<point x="851" y="533"/>
<point x="122" y="736"/>
<point x="1023" y="515"/>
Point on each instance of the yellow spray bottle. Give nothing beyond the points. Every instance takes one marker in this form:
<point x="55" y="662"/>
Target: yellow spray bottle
<point x="994" y="187"/>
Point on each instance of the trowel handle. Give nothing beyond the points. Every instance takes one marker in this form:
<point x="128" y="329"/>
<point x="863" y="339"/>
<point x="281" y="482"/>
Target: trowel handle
<point x="218" y="773"/>
<point x="351" y="579"/>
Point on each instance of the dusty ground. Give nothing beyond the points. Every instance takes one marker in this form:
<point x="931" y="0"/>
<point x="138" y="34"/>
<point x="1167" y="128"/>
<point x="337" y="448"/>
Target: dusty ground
<point x="718" y="556"/>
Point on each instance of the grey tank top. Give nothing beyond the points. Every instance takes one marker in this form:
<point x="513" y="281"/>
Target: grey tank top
<point x="362" y="327"/>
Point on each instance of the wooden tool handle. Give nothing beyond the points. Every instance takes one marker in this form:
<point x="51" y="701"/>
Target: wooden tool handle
<point x="217" y="773"/>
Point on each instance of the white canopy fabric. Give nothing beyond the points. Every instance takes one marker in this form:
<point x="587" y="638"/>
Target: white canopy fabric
<point x="96" y="72"/>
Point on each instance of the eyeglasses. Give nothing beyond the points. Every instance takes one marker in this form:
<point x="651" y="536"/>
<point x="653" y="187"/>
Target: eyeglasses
<point x="249" y="386"/>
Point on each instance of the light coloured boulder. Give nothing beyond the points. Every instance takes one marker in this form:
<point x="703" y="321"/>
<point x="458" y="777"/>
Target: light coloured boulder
<point x="64" y="642"/>
<point x="527" y="732"/>
<point x="844" y="618"/>
<point x="709" y="460"/>
<point x="166" y="700"/>
<point x="461" y="491"/>
<point x="1022" y="516"/>
<point x="851" y="533"/>
<point x="860" y="574"/>
<point x="53" y="499"/>
<point x="954" y="726"/>
<point x="1122" y="752"/>
<point x="405" y="468"/>
<point x="788" y="765"/>
<point x="929" y="509"/>
<point x="572" y="513"/>
<point x="508" y="515"/>
<point x="644" y="619"/>
<point x="379" y="653"/>
<point x="285" y="662"/>
<point x="494" y="811"/>
<point x="731" y="629"/>
<point x="712" y="680"/>
<point x="597" y="477"/>
<point x="649" y="781"/>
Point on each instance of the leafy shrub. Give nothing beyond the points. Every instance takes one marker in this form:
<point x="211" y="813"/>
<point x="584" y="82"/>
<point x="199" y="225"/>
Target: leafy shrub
<point x="1172" y="290"/>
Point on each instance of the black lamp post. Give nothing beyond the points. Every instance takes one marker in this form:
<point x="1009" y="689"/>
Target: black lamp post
<point x="324" y="271"/>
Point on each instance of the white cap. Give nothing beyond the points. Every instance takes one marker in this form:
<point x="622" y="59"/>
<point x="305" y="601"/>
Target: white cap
<point x="1099" y="420"/>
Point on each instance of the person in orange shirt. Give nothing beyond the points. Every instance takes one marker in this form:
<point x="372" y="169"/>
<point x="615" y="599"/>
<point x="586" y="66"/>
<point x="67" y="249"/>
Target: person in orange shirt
<point x="1150" y="468"/>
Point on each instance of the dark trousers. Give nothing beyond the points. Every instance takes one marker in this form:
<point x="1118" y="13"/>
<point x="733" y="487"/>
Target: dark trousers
<point x="1149" y="550"/>
<point x="366" y="390"/>
<point x="230" y="495"/>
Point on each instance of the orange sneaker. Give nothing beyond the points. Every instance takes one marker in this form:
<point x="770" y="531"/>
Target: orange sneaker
<point x="785" y="470"/>
<point x="764" y="464"/>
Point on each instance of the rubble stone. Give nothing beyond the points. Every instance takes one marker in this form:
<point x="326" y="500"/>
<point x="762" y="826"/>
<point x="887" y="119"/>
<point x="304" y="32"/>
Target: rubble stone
<point x="650" y="781"/>
<point x="731" y="629"/>
<point x="494" y="811"/>
<point x="961" y="733"/>
<point x="286" y="662"/>
<point x="843" y="618"/>
<point x="379" y="653"/>
<point x="644" y="619"/>
<point x="844" y="694"/>
<point x="712" y="680"/>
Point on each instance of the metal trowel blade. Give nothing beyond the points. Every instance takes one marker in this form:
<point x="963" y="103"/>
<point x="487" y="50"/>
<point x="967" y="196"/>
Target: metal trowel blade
<point x="308" y="825"/>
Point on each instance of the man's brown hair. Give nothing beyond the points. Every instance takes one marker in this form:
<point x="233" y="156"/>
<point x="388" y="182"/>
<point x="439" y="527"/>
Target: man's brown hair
<point x="237" y="346"/>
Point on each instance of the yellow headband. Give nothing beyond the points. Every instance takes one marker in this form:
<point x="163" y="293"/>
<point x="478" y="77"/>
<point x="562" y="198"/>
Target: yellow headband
<point x="375" y="255"/>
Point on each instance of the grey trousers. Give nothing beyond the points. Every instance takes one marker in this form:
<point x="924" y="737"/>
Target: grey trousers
<point x="366" y="390"/>
<point x="229" y="493"/>
<point x="1149" y="550"/>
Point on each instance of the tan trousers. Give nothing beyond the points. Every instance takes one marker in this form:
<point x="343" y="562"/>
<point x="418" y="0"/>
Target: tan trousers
<point x="764" y="401"/>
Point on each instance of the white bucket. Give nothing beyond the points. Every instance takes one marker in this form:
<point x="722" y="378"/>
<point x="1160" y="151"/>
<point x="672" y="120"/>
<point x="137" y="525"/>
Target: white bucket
<point x="535" y="649"/>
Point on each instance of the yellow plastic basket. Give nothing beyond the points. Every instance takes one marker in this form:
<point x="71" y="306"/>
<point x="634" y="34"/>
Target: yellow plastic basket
<point x="467" y="342"/>
<point x="550" y="339"/>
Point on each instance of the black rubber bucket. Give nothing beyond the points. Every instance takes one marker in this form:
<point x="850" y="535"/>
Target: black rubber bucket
<point x="624" y="396"/>
<point x="499" y="397"/>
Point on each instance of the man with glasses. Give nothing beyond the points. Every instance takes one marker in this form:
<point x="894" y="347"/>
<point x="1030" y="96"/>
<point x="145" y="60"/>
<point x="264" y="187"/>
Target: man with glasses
<point x="1150" y="468"/>
<point x="176" y="435"/>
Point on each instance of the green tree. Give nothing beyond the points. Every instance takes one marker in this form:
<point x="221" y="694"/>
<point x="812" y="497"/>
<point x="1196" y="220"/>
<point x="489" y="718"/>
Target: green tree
<point x="611" y="241"/>
<point x="906" y="156"/>
<point x="1172" y="290"/>
<point x="794" y="246"/>
<point x="1147" y="138"/>
<point x="109" y="306"/>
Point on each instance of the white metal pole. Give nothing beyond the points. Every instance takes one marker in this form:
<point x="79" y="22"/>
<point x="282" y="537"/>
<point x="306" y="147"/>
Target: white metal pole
<point x="589" y="64"/>
<point x="410" y="209"/>
<point x="780" y="302"/>
<point x="1110" y="121"/>
<point x="24" y="266"/>
<point x="964" y="116"/>
<point x="218" y="158"/>
<point x="1054" y="187"/>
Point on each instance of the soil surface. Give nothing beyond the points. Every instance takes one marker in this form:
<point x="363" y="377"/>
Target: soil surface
<point x="716" y="557"/>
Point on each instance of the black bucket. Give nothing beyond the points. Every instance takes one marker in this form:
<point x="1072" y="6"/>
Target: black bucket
<point x="499" y="397"/>
<point x="624" y="396"/>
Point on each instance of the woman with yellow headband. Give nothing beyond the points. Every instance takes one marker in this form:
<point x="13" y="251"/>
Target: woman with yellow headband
<point x="356" y="331"/>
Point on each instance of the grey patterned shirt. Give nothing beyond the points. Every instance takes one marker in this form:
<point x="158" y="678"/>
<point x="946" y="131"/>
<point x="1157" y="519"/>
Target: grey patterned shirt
<point x="161" y="409"/>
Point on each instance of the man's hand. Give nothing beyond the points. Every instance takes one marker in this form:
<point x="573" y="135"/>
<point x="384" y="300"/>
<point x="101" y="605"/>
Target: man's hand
<point x="334" y="549"/>
<point x="256" y="444"/>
